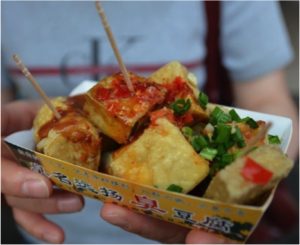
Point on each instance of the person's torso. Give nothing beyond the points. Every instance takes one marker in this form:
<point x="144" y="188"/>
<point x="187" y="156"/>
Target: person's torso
<point x="64" y="43"/>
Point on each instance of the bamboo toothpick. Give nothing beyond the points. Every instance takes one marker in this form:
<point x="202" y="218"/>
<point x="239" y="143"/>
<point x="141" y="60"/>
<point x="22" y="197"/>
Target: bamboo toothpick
<point x="36" y="85"/>
<point x="253" y="141"/>
<point x="114" y="45"/>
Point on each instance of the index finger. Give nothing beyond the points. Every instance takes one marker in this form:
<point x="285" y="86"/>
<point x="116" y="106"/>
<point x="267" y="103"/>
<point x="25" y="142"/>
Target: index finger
<point x="22" y="182"/>
<point x="19" y="115"/>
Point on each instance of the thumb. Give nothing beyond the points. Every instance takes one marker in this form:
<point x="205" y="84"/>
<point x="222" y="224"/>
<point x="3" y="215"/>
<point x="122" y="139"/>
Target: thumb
<point x="196" y="237"/>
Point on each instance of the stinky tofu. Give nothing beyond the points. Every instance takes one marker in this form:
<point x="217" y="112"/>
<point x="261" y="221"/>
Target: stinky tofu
<point x="159" y="157"/>
<point x="230" y="186"/>
<point x="176" y="74"/>
<point x="72" y="138"/>
<point x="115" y="110"/>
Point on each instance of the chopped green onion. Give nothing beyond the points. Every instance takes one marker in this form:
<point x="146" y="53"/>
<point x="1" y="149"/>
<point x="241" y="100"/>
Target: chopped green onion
<point x="212" y="121"/>
<point x="208" y="153"/>
<point x="234" y="115"/>
<point x="230" y="144"/>
<point x="252" y="123"/>
<point x="203" y="100"/>
<point x="199" y="142"/>
<point x="222" y="149"/>
<point x="237" y="154"/>
<point x="241" y="143"/>
<point x="174" y="188"/>
<point x="187" y="131"/>
<point x="254" y="148"/>
<point x="181" y="106"/>
<point x="216" y="113"/>
<point x="218" y="159"/>
<point x="215" y="134"/>
<point x="224" y="118"/>
<point x="224" y="132"/>
<point x="237" y="136"/>
<point x="213" y="169"/>
<point x="243" y="120"/>
<point x="273" y="139"/>
<point x="227" y="158"/>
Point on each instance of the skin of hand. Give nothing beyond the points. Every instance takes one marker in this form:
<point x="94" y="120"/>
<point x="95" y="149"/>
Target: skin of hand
<point x="156" y="229"/>
<point x="30" y="194"/>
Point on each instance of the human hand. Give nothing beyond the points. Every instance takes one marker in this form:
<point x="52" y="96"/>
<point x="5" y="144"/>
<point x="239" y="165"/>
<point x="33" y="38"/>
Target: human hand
<point x="276" y="222"/>
<point x="31" y="194"/>
<point x="156" y="229"/>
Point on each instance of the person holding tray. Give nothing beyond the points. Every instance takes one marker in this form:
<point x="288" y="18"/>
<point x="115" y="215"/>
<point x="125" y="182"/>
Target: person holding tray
<point x="63" y="43"/>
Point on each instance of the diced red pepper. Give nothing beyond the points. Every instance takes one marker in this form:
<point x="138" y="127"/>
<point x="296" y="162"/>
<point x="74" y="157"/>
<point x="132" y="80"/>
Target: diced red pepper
<point x="255" y="173"/>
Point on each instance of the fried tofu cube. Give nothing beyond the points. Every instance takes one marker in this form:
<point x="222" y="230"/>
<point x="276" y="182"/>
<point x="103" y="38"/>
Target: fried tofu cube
<point x="72" y="138"/>
<point x="160" y="157"/>
<point x="115" y="110"/>
<point x="230" y="186"/>
<point x="180" y="84"/>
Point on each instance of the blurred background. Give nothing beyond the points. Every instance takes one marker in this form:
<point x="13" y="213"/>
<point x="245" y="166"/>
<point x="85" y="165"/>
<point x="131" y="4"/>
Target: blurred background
<point x="290" y="9"/>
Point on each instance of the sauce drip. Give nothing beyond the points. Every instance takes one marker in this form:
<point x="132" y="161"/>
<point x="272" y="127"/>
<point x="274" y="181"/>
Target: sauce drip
<point x="178" y="89"/>
<point x="74" y="127"/>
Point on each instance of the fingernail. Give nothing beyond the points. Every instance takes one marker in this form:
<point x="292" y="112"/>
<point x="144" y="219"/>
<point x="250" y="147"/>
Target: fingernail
<point x="35" y="188"/>
<point x="115" y="219"/>
<point x="51" y="238"/>
<point x="68" y="204"/>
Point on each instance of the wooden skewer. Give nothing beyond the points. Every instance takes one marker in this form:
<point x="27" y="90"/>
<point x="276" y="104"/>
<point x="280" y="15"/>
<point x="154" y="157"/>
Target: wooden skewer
<point x="36" y="85"/>
<point x="253" y="141"/>
<point x="114" y="45"/>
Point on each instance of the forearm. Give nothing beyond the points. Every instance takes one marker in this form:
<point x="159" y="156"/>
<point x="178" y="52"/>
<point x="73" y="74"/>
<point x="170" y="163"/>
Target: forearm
<point x="270" y="95"/>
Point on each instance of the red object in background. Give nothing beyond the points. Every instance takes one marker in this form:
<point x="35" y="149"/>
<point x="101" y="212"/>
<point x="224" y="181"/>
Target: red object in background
<point x="218" y="86"/>
<point x="255" y="173"/>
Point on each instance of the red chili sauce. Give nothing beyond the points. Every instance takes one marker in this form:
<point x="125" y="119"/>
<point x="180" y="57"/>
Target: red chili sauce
<point x="121" y="102"/>
<point x="178" y="121"/>
<point x="178" y="89"/>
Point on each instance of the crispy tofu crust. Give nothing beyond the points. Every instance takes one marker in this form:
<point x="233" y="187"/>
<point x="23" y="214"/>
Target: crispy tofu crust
<point x="72" y="139"/>
<point x="167" y="75"/>
<point x="168" y="72"/>
<point x="116" y="117"/>
<point x="161" y="156"/>
<point x="230" y="186"/>
<point x="45" y="115"/>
